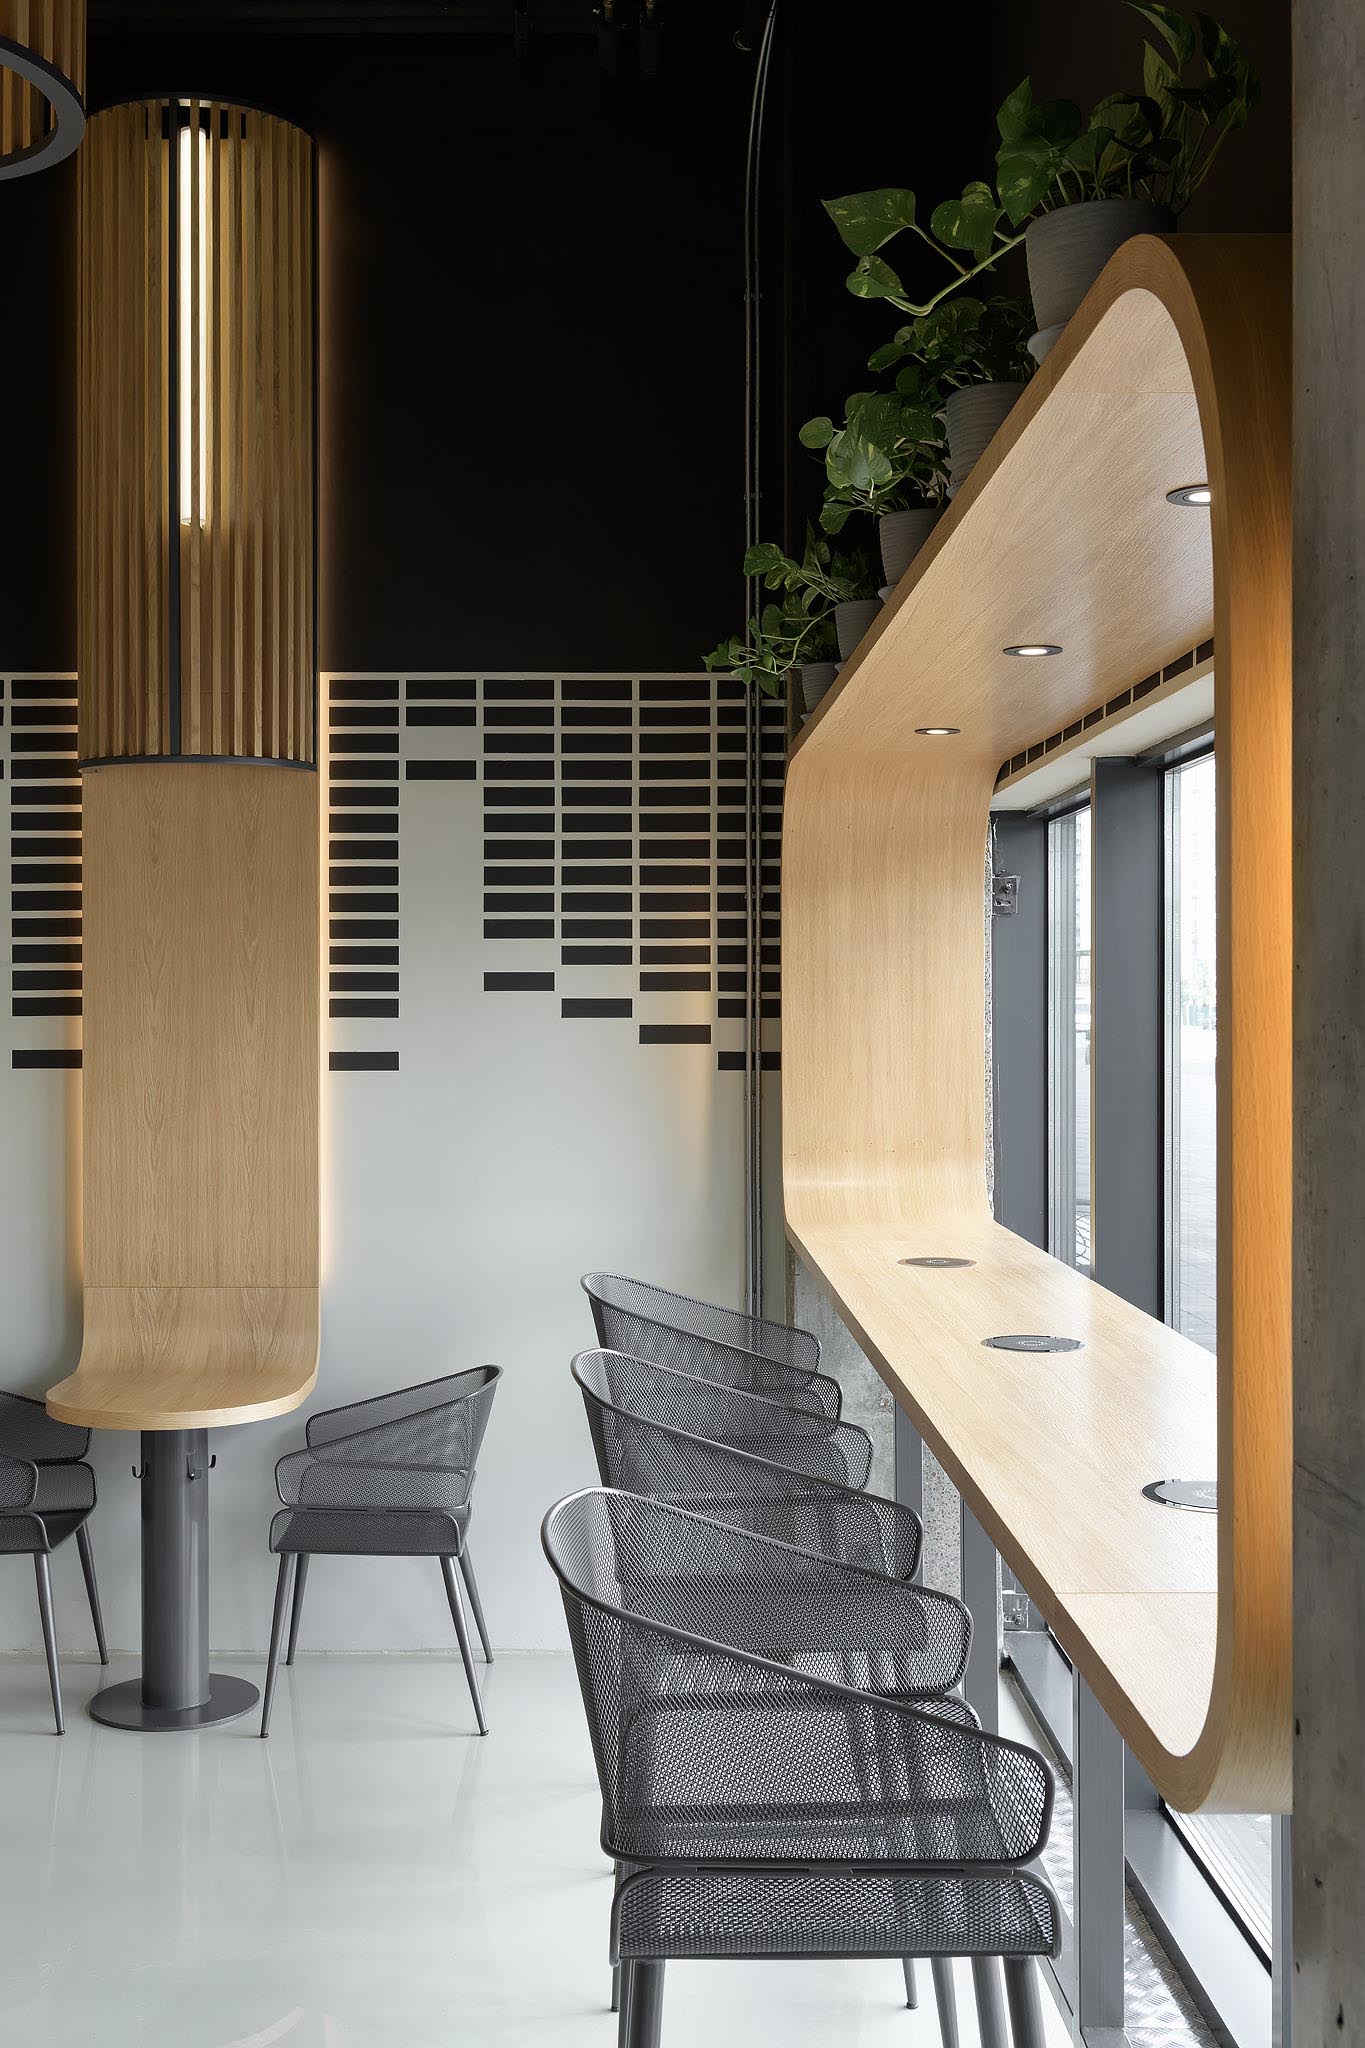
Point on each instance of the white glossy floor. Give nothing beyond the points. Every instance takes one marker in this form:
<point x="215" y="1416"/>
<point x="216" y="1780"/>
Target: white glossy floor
<point x="373" y="1876"/>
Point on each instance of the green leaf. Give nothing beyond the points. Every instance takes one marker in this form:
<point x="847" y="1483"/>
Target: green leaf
<point x="969" y="222"/>
<point x="893" y="351"/>
<point x="875" y="279"/>
<point x="1171" y="26"/>
<point x="817" y="433"/>
<point x="857" y="465"/>
<point x="1014" y="119"/>
<point x="1025" y="177"/>
<point x="868" y="219"/>
<point x="1157" y="76"/>
<point x="835" y="514"/>
<point x="765" y="559"/>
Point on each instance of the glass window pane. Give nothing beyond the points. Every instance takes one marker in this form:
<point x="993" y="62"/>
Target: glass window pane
<point x="1069" y="1229"/>
<point x="1192" y="1008"/>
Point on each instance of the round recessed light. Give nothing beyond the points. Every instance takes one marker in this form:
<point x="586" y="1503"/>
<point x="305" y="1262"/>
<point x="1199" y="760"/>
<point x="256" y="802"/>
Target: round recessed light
<point x="937" y="732"/>
<point x="1026" y="647"/>
<point x="1190" y="494"/>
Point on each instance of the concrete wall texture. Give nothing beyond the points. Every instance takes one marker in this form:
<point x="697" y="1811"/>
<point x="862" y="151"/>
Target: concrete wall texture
<point x="1329" y="1072"/>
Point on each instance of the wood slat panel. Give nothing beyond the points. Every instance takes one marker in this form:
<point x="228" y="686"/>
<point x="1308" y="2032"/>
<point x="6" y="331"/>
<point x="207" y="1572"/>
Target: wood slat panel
<point x="230" y="291"/>
<point x="1175" y="368"/>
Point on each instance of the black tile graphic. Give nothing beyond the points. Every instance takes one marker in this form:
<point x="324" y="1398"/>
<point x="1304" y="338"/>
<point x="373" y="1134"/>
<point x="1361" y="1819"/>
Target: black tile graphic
<point x="596" y="899"/>
<point x="363" y="743"/>
<point x="577" y="691"/>
<point x="519" y="771"/>
<point x="363" y="928"/>
<point x="33" y="1056"/>
<point x="734" y="1062"/>
<point x="353" y="900"/>
<point x="596" y="743"/>
<point x="362" y="956"/>
<point x="519" y="928"/>
<point x="517" y="849"/>
<point x="362" y="714"/>
<point x="663" y="984"/>
<point x="499" y="690"/>
<point x="363" y="984"/>
<point x="458" y="690"/>
<point x="512" y="899"/>
<point x="582" y="799"/>
<point x="46" y="927"/>
<point x="516" y="743"/>
<point x="519" y="984"/>
<point x="596" y="821"/>
<point x="686" y="690"/>
<point x="572" y="716"/>
<point x="358" y="878"/>
<point x="675" y="956"/>
<point x="596" y="956"/>
<point x="516" y="821"/>
<point x="362" y="821"/>
<point x="440" y="714"/>
<point x="342" y="691"/>
<point x="56" y="955"/>
<point x="655" y="715"/>
<point x="362" y="1006"/>
<point x="577" y="874"/>
<point x="46" y="977"/>
<point x="675" y="1034"/>
<point x="597" y="771"/>
<point x="519" y="877"/>
<point x="675" y="899"/>
<point x="676" y="771"/>
<point x="362" y="1062"/>
<point x="498" y="715"/>
<point x="43" y="686"/>
<point x="593" y="928"/>
<point x="45" y="899"/>
<point x="361" y="771"/>
<point x="597" y="1006"/>
<point x="44" y="743"/>
<point x="697" y="873"/>
<point x="363" y="849"/>
<point x="595" y="849"/>
<point x="46" y="715"/>
<point x="441" y="771"/>
<point x="675" y="927"/>
<point x="46" y="871"/>
<point x="46" y="1006"/>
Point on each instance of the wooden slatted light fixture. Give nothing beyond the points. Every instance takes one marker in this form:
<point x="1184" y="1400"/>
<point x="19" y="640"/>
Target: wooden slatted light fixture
<point x="197" y="742"/>
<point x="42" y="83"/>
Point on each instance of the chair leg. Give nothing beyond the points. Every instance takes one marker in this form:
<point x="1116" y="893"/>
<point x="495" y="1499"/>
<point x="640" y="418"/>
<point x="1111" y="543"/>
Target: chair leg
<point x="296" y="1615"/>
<point x="622" y="1979"/>
<point x="283" y="1587"/>
<point x="54" y="1676"/>
<point x="945" y="1996"/>
<point x="92" y="1591"/>
<point x="1026" y="2014"/>
<point x="645" y="2019"/>
<point x="911" y="1987"/>
<point x="990" y="2005"/>
<point x="457" y="1616"/>
<point x="471" y="1587"/>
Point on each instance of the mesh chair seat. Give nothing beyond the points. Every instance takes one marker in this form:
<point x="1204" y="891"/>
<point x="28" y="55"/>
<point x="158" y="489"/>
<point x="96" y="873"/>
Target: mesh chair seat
<point x="823" y="1447"/>
<point x="28" y="1431"/>
<point x="674" y="1914"/>
<point x="369" y="1532"/>
<point x="639" y="1450"/>
<point x="698" y="1337"/>
<point x="707" y="1749"/>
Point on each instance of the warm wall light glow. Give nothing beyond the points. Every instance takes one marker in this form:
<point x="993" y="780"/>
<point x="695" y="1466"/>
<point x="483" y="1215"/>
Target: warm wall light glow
<point x="193" y="366"/>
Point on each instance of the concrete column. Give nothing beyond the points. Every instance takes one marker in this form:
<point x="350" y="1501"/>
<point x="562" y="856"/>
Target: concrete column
<point x="1329" y="1064"/>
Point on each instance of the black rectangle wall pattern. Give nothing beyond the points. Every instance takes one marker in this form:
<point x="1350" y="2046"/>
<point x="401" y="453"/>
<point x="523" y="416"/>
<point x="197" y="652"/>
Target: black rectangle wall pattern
<point x="610" y="863"/>
<point x="608" y="851"/>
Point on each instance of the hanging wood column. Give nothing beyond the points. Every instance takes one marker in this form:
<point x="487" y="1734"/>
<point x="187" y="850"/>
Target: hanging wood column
<point x="197" y="735"/>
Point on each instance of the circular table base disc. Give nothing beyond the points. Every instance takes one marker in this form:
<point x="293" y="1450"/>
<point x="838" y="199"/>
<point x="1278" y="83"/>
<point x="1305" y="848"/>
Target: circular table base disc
<point x="121" y="1706"/>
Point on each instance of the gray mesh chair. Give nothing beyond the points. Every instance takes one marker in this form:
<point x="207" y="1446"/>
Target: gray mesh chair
<point x="644" y="1425"/>
<point x="387" y="1477"/>
<point x="761" y="1804"/>
<point x="712" y="1343"/>
<point x="824" y="1448"/>
<point x="47" y="1493"/>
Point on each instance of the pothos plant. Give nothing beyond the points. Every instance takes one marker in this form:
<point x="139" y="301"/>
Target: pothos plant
<point x="965" y="341"/>
<point x="797" y="628"/>
<point x="890" y="452"/>
<point x="1157" y="144"/>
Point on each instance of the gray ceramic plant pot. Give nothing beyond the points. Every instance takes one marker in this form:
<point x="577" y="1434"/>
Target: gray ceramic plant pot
<point x="1069" y="247"/>
<point x="972" y="416"/>
<point x="851" y="621"/>
<point x="816" y="678"/>
<point x="902" y="535"/>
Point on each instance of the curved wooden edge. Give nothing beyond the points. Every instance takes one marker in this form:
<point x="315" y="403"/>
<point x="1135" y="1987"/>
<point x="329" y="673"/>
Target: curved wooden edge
<point x="884" y="1049"/>
<point x="190" y="1357"/>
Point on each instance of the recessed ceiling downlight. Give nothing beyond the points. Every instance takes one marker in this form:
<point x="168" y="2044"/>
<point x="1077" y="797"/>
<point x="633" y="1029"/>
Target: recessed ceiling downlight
<point x="938" y="732"/>
<point x="1190" y="494"/>
<point x="1031" y="647"/>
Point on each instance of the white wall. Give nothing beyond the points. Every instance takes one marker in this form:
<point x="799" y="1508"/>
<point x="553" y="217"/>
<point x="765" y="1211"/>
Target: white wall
<point x="463" y="1196"/>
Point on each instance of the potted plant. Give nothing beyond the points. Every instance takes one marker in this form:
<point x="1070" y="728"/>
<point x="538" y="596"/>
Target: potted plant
<point x="824" y="582"/>
<point x="888" y="459"/>
<point x="1071" y="190"/>
<point x="1083" y="187"/>
<point x="973" y="354"/>
<point x="784" y="637"/>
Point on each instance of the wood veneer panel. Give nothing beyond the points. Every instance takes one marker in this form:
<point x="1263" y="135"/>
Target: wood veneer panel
<point x="1175" y="368"/>
<point x="200" y="1095"/>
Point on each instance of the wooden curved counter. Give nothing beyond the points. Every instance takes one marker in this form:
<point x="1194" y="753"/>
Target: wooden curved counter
<point x="200" y="1096"/>
<point x="1175" y="369"/>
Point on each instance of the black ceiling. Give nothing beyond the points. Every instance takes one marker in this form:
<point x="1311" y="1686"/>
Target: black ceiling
<point x="393" y="17"/>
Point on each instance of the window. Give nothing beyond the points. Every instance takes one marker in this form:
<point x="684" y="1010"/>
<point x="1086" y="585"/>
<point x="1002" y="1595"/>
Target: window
<point x="1068" y="997"/>
<point x="1191" y="1043"/>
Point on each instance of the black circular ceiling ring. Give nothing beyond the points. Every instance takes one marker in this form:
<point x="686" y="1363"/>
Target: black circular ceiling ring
<point x="68" y="111"/>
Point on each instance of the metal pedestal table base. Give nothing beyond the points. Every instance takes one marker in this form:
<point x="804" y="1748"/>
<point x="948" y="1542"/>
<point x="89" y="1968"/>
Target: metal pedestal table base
<point x="176" y="1689"/>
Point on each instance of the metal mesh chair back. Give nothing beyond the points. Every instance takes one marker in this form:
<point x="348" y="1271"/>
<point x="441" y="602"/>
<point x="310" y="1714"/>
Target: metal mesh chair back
<point x="28" y="1431"/>
<point x="714" y="1741"/>
<point x="697" y="1337"/>
<point x="639" y="1453"/>
<point x="839" y="1452"/>
<point x="415" y="1448"/>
